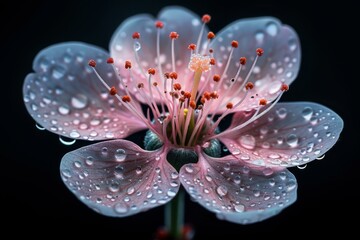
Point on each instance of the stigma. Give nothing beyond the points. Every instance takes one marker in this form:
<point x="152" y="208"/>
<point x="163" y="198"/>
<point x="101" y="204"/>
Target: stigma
<point x="199" y="62"/>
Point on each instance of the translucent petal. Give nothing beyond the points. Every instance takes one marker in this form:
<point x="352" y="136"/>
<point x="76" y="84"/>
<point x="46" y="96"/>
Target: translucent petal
<point x="235" y="192"/>
<point x="289" y="134"/>
<point x="280" y="62"/>
<point x="186" y="23"/>
<point x="65" y="96"/>
<point x="117" y="178"/>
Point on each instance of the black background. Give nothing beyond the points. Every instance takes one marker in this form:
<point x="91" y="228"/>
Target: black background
<point x="37" y="200"/>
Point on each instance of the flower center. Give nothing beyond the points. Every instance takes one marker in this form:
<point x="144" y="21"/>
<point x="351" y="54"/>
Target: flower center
<point x="181" y="115"/>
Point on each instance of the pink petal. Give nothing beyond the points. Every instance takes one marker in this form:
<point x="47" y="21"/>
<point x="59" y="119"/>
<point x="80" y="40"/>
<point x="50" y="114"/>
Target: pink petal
<point x="289" y="134"/>
<point x="279" y="64"/>
<point x="186" y="23"/>
<point x="235" y="192"/>
<point x="117" y="178"/>
<point x="65" y="96"/>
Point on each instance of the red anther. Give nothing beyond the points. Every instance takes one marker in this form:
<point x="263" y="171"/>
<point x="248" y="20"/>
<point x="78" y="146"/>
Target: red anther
<point x="214" y="95"/>
<point x="177" y="86"/>
<point x="249" y="85"/>
<point x="110" y="60"/>
<point x="192" y="104"/>
<point x="284" y="87"/>
<point x="211" y="50"/>
<point x="126" y="98"/>
<point x="212" y="61"/>
<point x="174" y="35"/>
<point x="159" y="24"/>
<point x="136" y="35"/>
<point x="127" y="64"/>
<point x="181" y="99"/>
<point x="234" y="44"/>
<point x="151" y="71"/>
<point x="202" y="100"/>
<point x="155" y="84"/>
<point x="216" y="78"/>
<point x="263" y="102"/>
<point x="206" y="18"/>
<point x="187" y="94"/>
<point x="140" y="85"/>
<point x="243" y="60"/>
<point x="207" y="95"/>
<point x="259" y="52"/>
<point x="173" y="75"/>
<point x="113" y="91"/>
<point x="229" y="105"/>
<point x="192" y="46"/>
<point x="167" y="75"/>
<point x="211" y="35"/>
<point x="182" y="92"/>
<point x="92" y="63"/>
<point x="176" y="95"/>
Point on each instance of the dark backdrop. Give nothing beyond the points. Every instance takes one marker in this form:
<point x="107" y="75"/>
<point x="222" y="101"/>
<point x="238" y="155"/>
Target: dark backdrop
<point x="36" y="199"/>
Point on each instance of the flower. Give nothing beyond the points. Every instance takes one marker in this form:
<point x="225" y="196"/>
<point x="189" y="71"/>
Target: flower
<point x="173" y="76"/>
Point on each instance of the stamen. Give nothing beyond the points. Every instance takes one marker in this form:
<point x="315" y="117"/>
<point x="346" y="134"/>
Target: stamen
<point x="173" y="36"/>
<point x="92" y="63"/>
<point x="216" y="78"/>
<point x="113" y="91"/>
<point x="127" y="64"/>
<point x="136" y="35"/>
<point x="159" y="24"/>
<point x="234" y="44"/>
<point x="284" y="87"/>
<point x="205" y="19"/>
<point x="110" y="60"/>
<point x="126" y="98"/>
<point x="263" y="102"/>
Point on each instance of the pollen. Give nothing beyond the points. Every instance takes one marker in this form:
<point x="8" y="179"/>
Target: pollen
<point x="211" y="35"/>
<point x="263" y="102"/>
<point x="151" y="71"/>
<point x="174" y="35"/>
<point x="212" y="61"/>
<point x="177" y="86"/>
<point x="110" y="60"/>
<point x="206" y="18"/>
<point x="259" y="52"/>
<point x="127" y="64"/>
<point x="126" y="98"/>
<point x="216" y="78"/>
<point x="249" y="85"/>
<point x="92" y="63"/>
<point x="113" y="91"/>
<point x="192" y="104"/>
<point x="229" y="105"/>
<point x="173" y="75"/>
<point x="136" y="35"/>
<point x="243" y="60"/>
<point x="192" y="46"/>
<point x="199" y="62"/>
<point x="186" y="111"/>
<point x="140" y="85"/>
<point x="234" y="44"/>
<point x="159" y="24"/>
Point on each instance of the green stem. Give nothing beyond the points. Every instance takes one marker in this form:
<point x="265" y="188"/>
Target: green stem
<point x="174" y="215"/>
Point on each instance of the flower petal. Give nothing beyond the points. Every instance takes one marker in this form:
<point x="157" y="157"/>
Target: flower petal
<point x="186" y="23"/>
<point x="65" y="96"/>
<point x="117" y="178"/>
<point x="235" y="192"/>
<point x="289" y="134"/>
<point x="279" y="64"/>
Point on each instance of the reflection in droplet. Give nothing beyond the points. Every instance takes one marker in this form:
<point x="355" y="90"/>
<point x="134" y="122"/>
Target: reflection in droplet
<point x="248" y="141"/>
<point x="79" y="101"/>
<point x="38" y="126"/>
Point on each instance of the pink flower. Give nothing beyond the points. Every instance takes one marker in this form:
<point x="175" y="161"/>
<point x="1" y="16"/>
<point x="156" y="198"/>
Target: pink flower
<point x="172" y="76"/>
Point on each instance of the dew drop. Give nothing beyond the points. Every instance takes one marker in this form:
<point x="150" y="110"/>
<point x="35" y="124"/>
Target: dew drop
<point x="189" y="169"/>
<point x="239" y="208"/>
<point x="171" y="192"/>
<point x="138" y="170"/>
<point x="302" y="166"/>
<point x="120" y="155"/>
<point x="64" y="110"/>
<point x="208" y="178"/>
<point x="130" y="190"/>
<point x="307" y="113"/>
<point x="281" y="113"/>
<point x="137" y="46"/>
<point x="313" y="120"/>
<point x="267" y="171"/>
<point x="221" y="190"/>
<point x="66" y="173"/>
<point x="272" y="29"/>
<point x="77" y="164"/>
<point x="74" y="134"/>
<point x="120" y="209"/>
<point x="248" y="141"/>
<point x="79" y="101"/>
<point x="114" y="187"/>
<point x="259" y="37"/>
<point x="104" y="151"/>
<point x="34" y="107"/>
<point x="38" y="126"/>
<point x="195" y="22"/>
<point x="58" y="72"/>
<point x="292" y="44"/>
<point x="275" y="87"/>
<point x="274" y="156"/>
<point x="292" y="140"/>
<point x="89" y="160"/>
<point x="291" y="185"/>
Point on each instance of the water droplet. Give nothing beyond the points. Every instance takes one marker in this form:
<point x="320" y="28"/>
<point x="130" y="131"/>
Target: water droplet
<point x="208" y="178"/>
<point x="189" y="168"/>
<point x="64" y="110"/>
<point x="77" y="164"/>
<point x="292" y="140"/>
<point x="282" y="176"/>
<point x="130" y="190"/>
<point x="313" y="120"/>
<point x="292" y="44"/>
<point x="274" y="156"/>
<point x="291" y="185"/>
<point x="114" y="187"/>
<point x="38" y="126"/>
<point x="171" y="192"/>
<point x="157" y="169"/>
<point x="256" y="193"/>
<point x="104" y="151"/>
<point x="258" y="162"/>
<point x="79" y="101"/>
<point x="248" y="141"/>
<point x="321" y="157"/>
<point x="66" y="173"/>
<point x="221" y="190"/>
<point x="239" y="208"/>
<point x="120" y="155"/>
<point x="138" y="170"/>
<point x="137" y="46"/>
<point x="259" y="37"/>
<point x="245" y="157"/>
<point x="237" y="179"/>
<point x="281" y="113"/>
<point x="267" y="171"/>
<point x="280" y="140"/>
<point x="120" y="209"/>
<point x="58" y="72"/>
<point x="302" y="166"/>
<point x="157" y="158"/>
<point x="74" y="134"/>
<point x="326" y="127"/>
<point x="34" y="107"/>
<point x="89" y="160"/>
<point x="272" y="29"/>
<point x="307" y="113"/>
<point x="265" y="145"/>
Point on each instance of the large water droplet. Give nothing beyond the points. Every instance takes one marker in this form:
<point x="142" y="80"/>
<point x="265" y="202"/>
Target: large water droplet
<point x="292" y="140"/>
<point x="272" y="29"/>
<point x="66" y="173"/>
<point x="74" y="134"/>
<point x="239" y="208"/>
<point x="120" y="155"/>
<point x="137" y="46"/>
<point x="221" y="190"/>
<point x="114" y="187"/>
<point x="171" y="192"/>
<point x="281" y="113"/>
<point x="189" y="168"/>
<point x="130" y="190"/>
<point x="248" y="141"/>
<point x="64" y="110"/>
<point x="89" y="160"/>
<point x="58" y="72"/>
<point x="307" y="113"/>
<point x="79" y="101"/>
<point x="120" y="208"/>
<point x="67" y="141"/>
